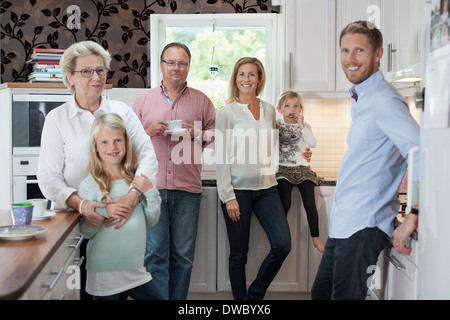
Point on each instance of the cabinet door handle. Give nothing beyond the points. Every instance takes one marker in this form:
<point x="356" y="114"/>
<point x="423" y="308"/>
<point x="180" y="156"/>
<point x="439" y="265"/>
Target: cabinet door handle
<point x="397" y="264"/>
<point x="391" y="51"/>
<point x="52" y="285"/>
<point x="80" y="240"/>
<point x="291" y="59"/>
<point x="80" y="261"/>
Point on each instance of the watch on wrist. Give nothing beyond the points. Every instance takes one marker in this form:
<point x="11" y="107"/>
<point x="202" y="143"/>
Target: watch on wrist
<point x="140" y="194"/>
<point x="414" y="211"/>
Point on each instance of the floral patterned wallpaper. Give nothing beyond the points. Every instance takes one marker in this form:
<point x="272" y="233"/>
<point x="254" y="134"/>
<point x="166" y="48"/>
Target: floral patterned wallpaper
<point x="120" y="26"/>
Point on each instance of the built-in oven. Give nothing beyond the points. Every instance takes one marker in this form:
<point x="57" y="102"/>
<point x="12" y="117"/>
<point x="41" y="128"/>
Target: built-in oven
<point x="28" y="116"/>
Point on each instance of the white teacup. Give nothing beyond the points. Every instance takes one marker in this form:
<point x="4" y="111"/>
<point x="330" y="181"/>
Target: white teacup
<point x="40" y="206"/>
<point x="175" y="125"/>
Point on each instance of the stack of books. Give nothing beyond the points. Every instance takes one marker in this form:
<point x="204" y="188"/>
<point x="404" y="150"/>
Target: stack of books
<point x="45" y="65"/>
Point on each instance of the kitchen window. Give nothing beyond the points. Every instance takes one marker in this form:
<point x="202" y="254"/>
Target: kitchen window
<point x="216" y="42"/>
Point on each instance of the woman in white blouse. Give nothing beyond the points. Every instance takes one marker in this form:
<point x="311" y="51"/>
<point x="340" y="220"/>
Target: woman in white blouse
<point x="246" y="146"/>
<point x="64" y="156"/>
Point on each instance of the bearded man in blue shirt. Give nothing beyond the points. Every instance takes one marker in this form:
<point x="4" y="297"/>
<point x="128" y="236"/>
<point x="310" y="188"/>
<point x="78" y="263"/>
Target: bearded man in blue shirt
<point x="365" y="202"/>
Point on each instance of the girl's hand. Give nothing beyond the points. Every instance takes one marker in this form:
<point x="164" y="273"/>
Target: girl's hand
<point x="233" y="210"/>
<point x="300" y="121"/>
<point x="307" y="154"/>
<point x="142" y="183"/>
<point x="119" y="209"/>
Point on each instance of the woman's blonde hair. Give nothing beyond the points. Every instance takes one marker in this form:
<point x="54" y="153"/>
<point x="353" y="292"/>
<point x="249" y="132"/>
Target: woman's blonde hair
<point x="234" y="91"/>
<point x="68" y="60"/>
<point x="287" y="95"/>
<point x="129" y="162"/>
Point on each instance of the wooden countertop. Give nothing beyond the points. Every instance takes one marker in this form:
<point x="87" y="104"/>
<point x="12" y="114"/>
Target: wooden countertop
<point x="22" y="260"/>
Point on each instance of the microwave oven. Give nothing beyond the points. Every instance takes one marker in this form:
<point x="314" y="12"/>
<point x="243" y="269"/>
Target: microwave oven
<point x="28" y="116"/>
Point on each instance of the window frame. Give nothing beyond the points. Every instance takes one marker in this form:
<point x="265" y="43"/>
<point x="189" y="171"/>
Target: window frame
<point x="275" y="41"/>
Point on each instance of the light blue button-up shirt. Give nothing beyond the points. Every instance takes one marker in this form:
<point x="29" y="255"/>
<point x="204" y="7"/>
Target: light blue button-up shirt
<point x="381" y="134"/>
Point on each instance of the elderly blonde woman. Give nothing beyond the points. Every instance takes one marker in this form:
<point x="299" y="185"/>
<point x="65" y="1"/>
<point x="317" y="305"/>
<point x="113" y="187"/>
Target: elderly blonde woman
<point x="64" y="157"/>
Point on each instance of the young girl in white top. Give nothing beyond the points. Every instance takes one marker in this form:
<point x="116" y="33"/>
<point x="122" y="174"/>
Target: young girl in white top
<point x="115" y="256"/>
<point x="295" y="135"/>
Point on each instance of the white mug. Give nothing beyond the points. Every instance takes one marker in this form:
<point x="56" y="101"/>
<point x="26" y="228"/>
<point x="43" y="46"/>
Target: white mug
<point x="40" y="205"/>
<point x="175" y="125"/>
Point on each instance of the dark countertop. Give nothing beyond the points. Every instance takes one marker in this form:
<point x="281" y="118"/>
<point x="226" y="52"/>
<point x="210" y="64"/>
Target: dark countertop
<point x="209" y="179"/>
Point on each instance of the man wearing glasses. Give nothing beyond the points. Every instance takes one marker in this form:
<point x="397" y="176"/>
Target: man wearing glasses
<point x="171" y="242"/>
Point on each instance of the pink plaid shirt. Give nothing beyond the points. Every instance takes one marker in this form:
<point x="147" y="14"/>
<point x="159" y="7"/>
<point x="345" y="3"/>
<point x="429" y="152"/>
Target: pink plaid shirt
<point x="179" y="158"/>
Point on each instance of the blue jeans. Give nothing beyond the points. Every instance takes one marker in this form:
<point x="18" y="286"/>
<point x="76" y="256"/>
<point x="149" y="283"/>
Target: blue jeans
<point x="269" y="211"/>
<point x="171" y="242"/>
<point x="344" y="269"/>
<point x="147" y="291"/>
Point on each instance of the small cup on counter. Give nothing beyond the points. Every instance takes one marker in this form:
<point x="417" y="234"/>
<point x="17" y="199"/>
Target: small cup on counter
<point x="21" y="213"/>
<point x="40" y="206"/>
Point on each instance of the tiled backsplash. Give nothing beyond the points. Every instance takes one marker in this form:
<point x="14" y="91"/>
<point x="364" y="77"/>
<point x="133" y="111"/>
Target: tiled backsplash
<point x="329" y="119"/>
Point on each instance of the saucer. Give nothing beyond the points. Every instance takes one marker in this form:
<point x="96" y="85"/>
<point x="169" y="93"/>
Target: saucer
<point x="45" y="216"/>
<point x="176" y="131"/>
<point x="20" y="232"/>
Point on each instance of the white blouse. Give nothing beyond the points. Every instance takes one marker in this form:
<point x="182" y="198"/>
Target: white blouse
<point x="64" y="154"/>
<point x="246" y="149"/>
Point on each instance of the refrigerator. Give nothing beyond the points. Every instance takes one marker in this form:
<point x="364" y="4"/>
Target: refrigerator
<point x="434" y="186"/>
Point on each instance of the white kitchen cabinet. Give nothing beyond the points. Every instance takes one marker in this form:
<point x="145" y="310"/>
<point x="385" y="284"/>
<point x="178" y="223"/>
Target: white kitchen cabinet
<point x="293" y="275"/>
<point x="402" y="275"/>
<point x="324" y="200"/>
<point x="59" y="279"/>
<point x="313" y="30"/>
<point x="402" y="31"/>
<point x="300" y="267"/>
<point x="203" y="278"/>
<point x="210" y="277"/>
<point x="310" y="45"/>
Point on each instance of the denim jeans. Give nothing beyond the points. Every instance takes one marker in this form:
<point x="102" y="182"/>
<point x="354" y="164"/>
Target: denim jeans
<point x="344" y="269"/>
<point x="268" y="210"/>
<point x="147" y="291"/>
<point x="171" y="242"/>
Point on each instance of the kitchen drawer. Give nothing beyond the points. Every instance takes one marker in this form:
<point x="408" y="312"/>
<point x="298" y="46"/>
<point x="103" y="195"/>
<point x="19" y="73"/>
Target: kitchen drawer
<point x="402" y="277"/>
<point x="402" y="263"/>
<point x="71" y="244"/>
<point x="51" y="283"/>
<point x="40" y="286"/>
<point x="66" y="288"/>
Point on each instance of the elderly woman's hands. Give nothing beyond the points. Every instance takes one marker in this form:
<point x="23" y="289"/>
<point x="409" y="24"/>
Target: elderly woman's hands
<point x="87" y="209"/>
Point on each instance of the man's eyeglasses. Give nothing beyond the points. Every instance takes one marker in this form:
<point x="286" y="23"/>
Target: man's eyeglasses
<point x="172" y="64"/>
<point x="87" y="73"/>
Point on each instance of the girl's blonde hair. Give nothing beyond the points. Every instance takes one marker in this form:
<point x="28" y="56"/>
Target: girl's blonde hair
<point x="129" y="162"/>
<point x="234" y="91"/>
<point x="287" y="95"/>
<point x="68" y="60"/>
